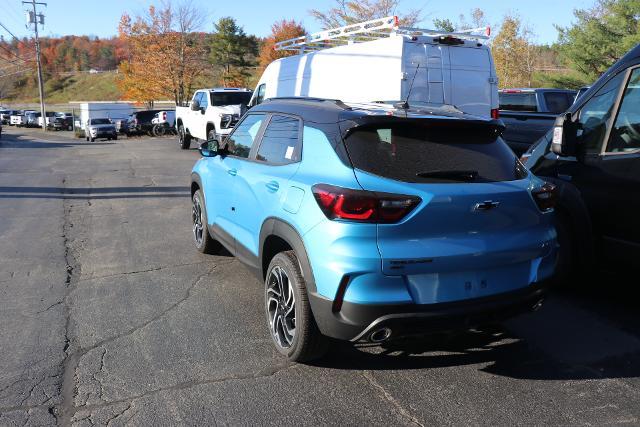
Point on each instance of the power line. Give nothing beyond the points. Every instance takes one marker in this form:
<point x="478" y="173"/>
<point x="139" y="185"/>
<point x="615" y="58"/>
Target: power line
<point x="9" y="31"/>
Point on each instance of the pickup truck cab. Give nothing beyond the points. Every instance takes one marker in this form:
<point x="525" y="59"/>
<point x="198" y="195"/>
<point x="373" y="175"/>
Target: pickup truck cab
<point x="212" y="113"/>
<point x="530" y="113"/>
<point x="593" y="156"/>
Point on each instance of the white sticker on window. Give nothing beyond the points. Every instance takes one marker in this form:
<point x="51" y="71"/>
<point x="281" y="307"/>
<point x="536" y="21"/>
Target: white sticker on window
<point x="289" y="153"/>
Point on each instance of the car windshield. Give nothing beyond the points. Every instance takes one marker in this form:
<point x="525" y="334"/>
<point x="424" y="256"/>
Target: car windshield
<point x="230" y="98"/>
<point x="100" y="121"/>
<point x="443" y="153"/>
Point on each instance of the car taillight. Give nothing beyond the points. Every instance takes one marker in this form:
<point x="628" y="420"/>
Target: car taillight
<point x="495" y="113"/>
<point x="545" y="197"/>
<point x="164" y="116"/>
<point x="363" y="206"/>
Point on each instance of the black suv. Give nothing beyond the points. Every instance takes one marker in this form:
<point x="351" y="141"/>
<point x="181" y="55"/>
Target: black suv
<point x="139" y="123"/>
<point x="593" y="156"/>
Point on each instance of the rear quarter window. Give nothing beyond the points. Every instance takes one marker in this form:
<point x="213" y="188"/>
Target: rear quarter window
<point x="419" y="154"/>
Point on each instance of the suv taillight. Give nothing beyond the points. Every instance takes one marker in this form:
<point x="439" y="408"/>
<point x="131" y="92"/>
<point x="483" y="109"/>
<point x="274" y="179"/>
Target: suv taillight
<point x="363" y="206"/>
<point x="545" y="197"/>
<point x="495" y="113"/>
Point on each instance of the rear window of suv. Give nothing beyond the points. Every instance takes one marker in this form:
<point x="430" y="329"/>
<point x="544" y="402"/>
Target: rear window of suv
<point x="441" y="154"/>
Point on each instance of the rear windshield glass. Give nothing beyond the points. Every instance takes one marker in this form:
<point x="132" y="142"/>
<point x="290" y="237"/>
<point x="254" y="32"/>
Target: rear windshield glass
<point x="442" y="154"/>
<point x="230" y="98"/>
<point x="518" y="102"/>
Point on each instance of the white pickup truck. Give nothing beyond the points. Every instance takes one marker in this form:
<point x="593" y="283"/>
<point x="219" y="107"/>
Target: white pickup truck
<point x="212" y="113"/>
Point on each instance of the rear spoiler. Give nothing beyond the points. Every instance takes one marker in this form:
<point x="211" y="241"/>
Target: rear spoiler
<point x="491" y="129"/>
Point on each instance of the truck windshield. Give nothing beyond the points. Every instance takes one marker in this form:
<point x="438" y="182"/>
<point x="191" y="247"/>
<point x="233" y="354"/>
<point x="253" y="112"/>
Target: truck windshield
<point x="440" y="154"/>
<point x="230" y="98"/>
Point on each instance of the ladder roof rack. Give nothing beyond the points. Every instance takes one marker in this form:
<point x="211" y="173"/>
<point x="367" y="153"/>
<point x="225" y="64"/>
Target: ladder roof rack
<point x="368" y="31"/>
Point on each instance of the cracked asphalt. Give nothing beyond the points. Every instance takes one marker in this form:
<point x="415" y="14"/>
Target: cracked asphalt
<point x="108" y="316"/>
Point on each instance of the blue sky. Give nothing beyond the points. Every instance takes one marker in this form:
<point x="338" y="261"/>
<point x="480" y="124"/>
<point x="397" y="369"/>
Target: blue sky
<point x="100" y="17"/>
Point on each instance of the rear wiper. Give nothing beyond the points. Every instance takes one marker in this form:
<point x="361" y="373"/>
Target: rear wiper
<point x="453" y="175"/>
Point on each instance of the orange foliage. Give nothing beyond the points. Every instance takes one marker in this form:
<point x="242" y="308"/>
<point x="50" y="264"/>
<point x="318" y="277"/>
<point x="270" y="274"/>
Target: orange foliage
<point x="280" y="31"/>
<point x="166" y="57"/>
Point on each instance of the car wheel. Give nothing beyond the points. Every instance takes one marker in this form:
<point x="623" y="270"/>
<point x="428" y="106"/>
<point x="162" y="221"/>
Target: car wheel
<point x="115" y="137"/>
<point x="289" y="317"/>
<point x="92" y="139"/>
<point x="201" y="237"/>
<point x="184" y="138"/>
<point x="87" y="138"/>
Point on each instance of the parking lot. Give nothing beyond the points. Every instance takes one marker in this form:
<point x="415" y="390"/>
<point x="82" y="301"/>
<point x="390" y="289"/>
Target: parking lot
<point x="109" y="316"/>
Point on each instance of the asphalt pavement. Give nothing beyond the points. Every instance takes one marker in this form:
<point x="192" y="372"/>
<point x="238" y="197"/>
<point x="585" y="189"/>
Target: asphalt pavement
<point x="109" y="316"/>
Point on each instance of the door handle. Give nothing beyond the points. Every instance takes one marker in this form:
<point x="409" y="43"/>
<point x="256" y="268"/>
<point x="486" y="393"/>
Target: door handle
<point x="272" y="186"/>
<point x="232" y="172"/>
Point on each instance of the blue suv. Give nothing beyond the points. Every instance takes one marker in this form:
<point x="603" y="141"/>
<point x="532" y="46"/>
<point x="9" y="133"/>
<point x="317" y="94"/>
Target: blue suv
<point x="371" y="222"/>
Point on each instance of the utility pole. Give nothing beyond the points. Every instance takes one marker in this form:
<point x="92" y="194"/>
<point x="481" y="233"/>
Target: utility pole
<point x="35" y="18"/>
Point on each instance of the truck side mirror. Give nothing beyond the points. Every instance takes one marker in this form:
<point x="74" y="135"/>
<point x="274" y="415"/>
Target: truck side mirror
<point x="565" y="133"/>
<point x="195" y="105"/>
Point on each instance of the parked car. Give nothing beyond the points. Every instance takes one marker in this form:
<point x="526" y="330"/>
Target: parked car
<point x="392" y="64"/>
<point x="530" y="113"/>
<point x="50" y="115"/>
<point x="369" y="223"/>
<point x="593" y="156"/>
<point x="61" y="123"/>
<point x="211" y="113"/>
<point x="18" y="119"/>
<point x="5" y="116"/>
<point x="139" y="123"/>
<point x="100" y="128"/>
<point x="164" y="122"/>
<point x="32" y="118"/>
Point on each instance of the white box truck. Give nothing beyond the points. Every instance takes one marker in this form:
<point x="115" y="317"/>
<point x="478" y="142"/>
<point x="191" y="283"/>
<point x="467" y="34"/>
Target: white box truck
<point x="103" y="110"/>
<point x="378" y="61"/>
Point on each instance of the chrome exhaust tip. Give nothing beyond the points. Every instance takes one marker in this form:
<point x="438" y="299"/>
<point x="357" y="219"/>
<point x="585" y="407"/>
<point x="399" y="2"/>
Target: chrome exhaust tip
<point x="380" y="335"/>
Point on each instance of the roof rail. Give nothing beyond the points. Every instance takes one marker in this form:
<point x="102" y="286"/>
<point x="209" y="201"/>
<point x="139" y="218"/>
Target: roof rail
<point x="337" y="102"/>
<point x="368" y="31"/>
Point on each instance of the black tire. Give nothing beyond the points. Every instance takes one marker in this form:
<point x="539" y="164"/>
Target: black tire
<point x="201" y="238"/>
<point x="92" y="140"/>
<point x="87" y="138"/>
<point x="184" y="138"/>
<point x="306" y="343"/>
<point x="211" y="134"/>
<point x="115" y="137"/>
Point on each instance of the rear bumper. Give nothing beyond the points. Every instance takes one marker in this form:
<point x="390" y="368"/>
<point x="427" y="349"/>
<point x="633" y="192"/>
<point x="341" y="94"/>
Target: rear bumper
<point x="356" y="322"/>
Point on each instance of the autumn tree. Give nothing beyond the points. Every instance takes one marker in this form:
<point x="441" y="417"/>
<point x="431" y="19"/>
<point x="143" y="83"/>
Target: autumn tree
<point x="232" y="52"/>
<point x="280" y="31"/>
<point x="514" y="54"/>
<point x="477" y="19"/>
<point x="346" y="12"/>
<point x="167" y="56"/>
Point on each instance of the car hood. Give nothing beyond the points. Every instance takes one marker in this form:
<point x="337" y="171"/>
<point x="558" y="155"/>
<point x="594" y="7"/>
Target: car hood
<point x="228" y="109"/>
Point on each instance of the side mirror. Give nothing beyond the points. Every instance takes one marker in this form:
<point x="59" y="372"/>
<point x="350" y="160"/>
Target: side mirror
<point x="210" y="148"/>
<point x="565" y="134"/>
<point x="195" y="105"/>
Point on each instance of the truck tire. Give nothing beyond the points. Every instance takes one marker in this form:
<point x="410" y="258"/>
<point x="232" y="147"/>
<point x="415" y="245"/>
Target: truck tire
<point x="183" y="138"/>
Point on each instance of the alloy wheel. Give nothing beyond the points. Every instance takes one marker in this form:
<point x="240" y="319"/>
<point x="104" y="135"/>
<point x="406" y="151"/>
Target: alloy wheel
<point x="281" y="307"/>
<point x="196" y="217"/>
